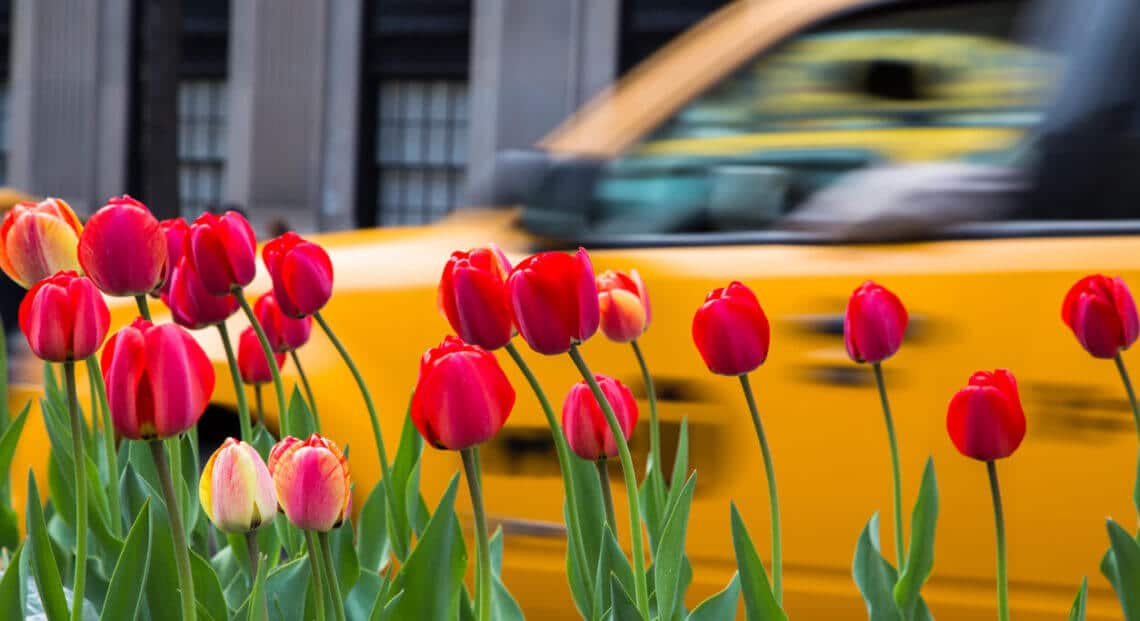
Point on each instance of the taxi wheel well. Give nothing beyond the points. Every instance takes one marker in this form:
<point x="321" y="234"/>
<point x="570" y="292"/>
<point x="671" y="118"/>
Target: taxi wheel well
<point x="217" y="423"/>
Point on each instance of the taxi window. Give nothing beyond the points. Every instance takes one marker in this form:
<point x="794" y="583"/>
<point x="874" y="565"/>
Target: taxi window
<point x="901" y="84"/>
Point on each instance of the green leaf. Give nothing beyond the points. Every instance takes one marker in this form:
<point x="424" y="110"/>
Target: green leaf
<point x="588" y="492"/>
<point x="372" y="533"/>
<point x="603" y="598"/>
<point x="920" y="557"/>
<point x="623" y="607"/>
<point x="255" y="610"/>
<point x="720" y="606"/>
<point x="670" y="557"/>
<point x="619" y="564"/>
<point x="1127" y="553"/>
<point x="874" y="576"/>
<point x="364" y="596"/>
<point x="43" y="563"/>
<point x="405" y="484"/>
<point x="344" y="556"/>
<point x="286" y="587"/>
<point x="653" y="512"/>
<point x="680" y="466"/>
<point x="207" y="588"/>
<point x="9" y="527"/>
<point x="387" y="611"/>
<point x="759" y="602"/>
<point x="124" y="594"/>
<point x="11" y="435"/>
<point x="301" y="423"/>
<point x="432" y="577"/>
<point x="11" y="595"/>
<point x="1077" y="612"/>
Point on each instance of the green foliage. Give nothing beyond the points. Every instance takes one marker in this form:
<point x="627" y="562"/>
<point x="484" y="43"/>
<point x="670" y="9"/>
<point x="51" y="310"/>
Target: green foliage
<point x="874" y="576"/>
<point x="1126" y="570"/>
<point x="722" y="605"/>
<point x="670" y="557"/>
<point x="124" y="594"/>
<point x="1077" y="612"/>
<point x="11" y="595"/>
<point x="405" y="485"/>
<point x="432" y="577"/>
<point x="45" y="569"/>
<point x="759" y="602"/>
<point x="920" y="557"/>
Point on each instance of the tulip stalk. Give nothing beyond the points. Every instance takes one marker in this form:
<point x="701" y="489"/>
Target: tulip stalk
<point x="144" y="308"/>
<point x="641" y="587"/>
<point x="482" y="543"/>
<point x="999" y="527"/>
<point x="330" y="574"/>
<point x="900" y="552"/>
<point x="239" y="388"/>
<point x="607" y="493"/>
<point x="181" y="551"/>
<point x="254" y="561"/>
<point x="773" y="497"/>
<point x="654" y="429"/>
<point x="95" y="376"/>
<point x="278" y="385"/>
<point x="80" y="493"/>
<point x="308" y="389"/>
<point x="1128" y="388"/>
<point x="315" y="567"/>
<point x="260" y="406"/>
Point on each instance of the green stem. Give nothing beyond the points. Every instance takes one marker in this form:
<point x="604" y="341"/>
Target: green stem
<point x="654" y="429"/>
<point x="181" y="552"/>
<point x="482" y="545"/>
<point x="260" y="406"/>
<point x="315" y="566"/>
<point x="278" y="385"/>
<point x="1128" y="388"/>
<point x="607" y="493"/>
<point x="308" y="389"/>
<point x="96" y="378"/>
<point x="641" y="587"/>
<point x="239" y="388"/>
<point x="562" y="449"/>
<point x="144" y="308"/>
<point x="773" y="497"/>
<point x="900" y="552"/>
<point x="254" y="561"/>
<point x="330" y="573"/>
<point x="999" y="525"/>
<point x="80" y="493"/>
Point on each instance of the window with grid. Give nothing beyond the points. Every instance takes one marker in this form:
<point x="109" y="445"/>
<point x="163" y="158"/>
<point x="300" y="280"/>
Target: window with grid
<point x="421" y="149"/>
<point x="4" y="133"/>
<point x="201" y="144"/>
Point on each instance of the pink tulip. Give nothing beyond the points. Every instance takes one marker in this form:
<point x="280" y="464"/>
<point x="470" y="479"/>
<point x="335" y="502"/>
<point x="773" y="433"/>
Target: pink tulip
<point x="123" y="249"/>
<point x="236" y="490"/>
<point x="223" y="251"/>
<point x="313" y="482"/>
<point x="585" y="424"/>
<point x="64" y="317"/>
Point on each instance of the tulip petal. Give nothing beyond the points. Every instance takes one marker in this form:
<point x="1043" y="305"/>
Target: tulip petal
<point x="537" y="314"/>
<point x="123" y="363"/>
<point x="311" y="488"/>
<point x="1097" y="326"/>
<point x="984" y="424"/>
<point x="1126" y="311"/>
<point x="181" y="378"/>
<point x="588" y="315"/>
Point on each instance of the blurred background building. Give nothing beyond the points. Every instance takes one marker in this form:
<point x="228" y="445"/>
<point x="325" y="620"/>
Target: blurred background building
<point x="325" y="114"/>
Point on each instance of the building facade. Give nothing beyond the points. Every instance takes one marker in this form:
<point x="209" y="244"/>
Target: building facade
<point x="321" y="114"/>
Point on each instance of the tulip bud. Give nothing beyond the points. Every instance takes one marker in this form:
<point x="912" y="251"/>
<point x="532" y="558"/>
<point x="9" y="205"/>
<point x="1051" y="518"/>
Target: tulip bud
<point x="731" y="331"/>
<point x="302" y="274"/>
<point x="64" y="318"/>
<point x="624" y="305"/>
<point x="223" y="250"/>
<point x="585" y="424"/>
<point x="176" y="231"/>
<point x="462" y="396"/>
<point x="283" y="332"/>
<point x="190" y="304"/>
<point x="236" y="491"/>
<point x="874" y="324"/>
<point x="251" y="359"/>
<point x="1102" y="315"/>
<point x="123" y="249"/>
<point x="313" y="482"/>
<point x="38" y="240"/>
<point x="554" y="299"/>
<point x="473" y="297"/>
<point x="985" y="419"/>
<point x="159" y="381"/>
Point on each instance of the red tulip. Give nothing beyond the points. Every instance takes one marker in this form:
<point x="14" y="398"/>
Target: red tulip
<point x="313" y="482"/>
<point x="302" y="274"/>
<point x="731" y="331"/>
<point x="284" y="332"/>
<point x="462" y="396"/>
<point x="585" y="424"/>
<point x="223" y="250"/>
<point x="624" y="305"/>
<point x="236" y="490"/>
<point x="159" y="381"/>
<point x="123" y="249"/>
<point x="473" y="296"/>
<point x="554" y="300"/>
<point x="1102" y="314"/>
<point x="64" y="317"/>
<point x="985" y="419"/>
<point x="38" y="240"/>
<point x="874" y="324"/>
<point x="190" y="304"/>
<point x="176" y="231"/>
<point x="251" y="359"/>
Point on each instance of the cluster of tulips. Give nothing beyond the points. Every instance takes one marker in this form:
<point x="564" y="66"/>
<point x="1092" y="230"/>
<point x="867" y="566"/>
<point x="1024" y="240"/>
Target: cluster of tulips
<point x="153" y="382"/>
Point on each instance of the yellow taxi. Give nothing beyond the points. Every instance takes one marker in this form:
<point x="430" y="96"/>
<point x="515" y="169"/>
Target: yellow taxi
<point x="803" y="146"/>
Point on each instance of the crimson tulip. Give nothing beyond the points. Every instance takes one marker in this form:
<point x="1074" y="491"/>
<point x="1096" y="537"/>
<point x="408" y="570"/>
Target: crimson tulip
<point x="462" y="396"/>
<point x="251" y="359"/>
<point x="985" y="419"/>
<point x="159" y="381"/>
<point x="1102" y="315"/>
<point x="64" y="318"/>
<point x="623" y="303"/>
<point x="874" y="323"/>
<point x="284" y="332"/>
<point x="176" y="231"/>
<point x="38" y="240"/>
<point x="190" y="304"/>
<point x="302" y="274"/>
<point x="731" y="330"/>
<point x="585" y="425"/>
<point x="123" y="248"/>
<point x="223" y="250"/>
<point x="236" y="490"/>
<point x="313" y="482"/>
<point x="554" y="300"/>
<point x="473" y="296"/>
